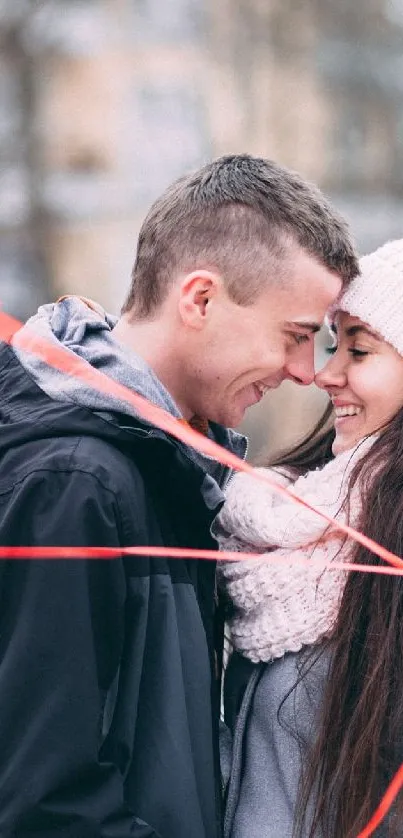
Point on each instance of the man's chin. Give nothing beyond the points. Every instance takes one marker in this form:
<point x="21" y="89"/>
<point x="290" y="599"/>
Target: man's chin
<point x="235" y="419"/>
<point x="228" y="419"/>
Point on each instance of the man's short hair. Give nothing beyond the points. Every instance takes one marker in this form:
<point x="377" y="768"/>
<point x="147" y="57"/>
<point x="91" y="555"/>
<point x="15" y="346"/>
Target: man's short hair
<point x="238" y="215"/>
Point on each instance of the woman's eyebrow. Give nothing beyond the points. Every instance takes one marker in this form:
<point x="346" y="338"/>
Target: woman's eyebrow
<point x="355" y="330"/>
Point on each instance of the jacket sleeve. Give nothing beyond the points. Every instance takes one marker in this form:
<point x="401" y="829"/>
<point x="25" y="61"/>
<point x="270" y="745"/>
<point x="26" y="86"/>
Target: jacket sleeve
<point x="61" y="636"/>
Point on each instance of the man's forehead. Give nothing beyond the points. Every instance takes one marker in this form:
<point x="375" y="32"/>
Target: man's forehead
<point x="303" y="302"/>
<point x="308" y="283"/>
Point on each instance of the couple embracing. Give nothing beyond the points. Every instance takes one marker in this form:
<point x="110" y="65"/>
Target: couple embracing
<point x="109" y="670"/>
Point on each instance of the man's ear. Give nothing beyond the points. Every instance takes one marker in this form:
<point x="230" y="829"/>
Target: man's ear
<point x="196" y="294"/>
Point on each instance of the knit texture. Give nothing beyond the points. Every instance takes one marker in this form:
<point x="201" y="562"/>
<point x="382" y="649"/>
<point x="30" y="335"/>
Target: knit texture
<point x="376" y="295"/>
<point x="280" y="608"/>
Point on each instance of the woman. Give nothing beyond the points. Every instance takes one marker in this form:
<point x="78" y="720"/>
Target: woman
<point x="319" y="730"/>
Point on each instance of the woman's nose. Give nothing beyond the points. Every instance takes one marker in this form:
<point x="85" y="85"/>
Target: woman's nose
<point x="331" y="375"/>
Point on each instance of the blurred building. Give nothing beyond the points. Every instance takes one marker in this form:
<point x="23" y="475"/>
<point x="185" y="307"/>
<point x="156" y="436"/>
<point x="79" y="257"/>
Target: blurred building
<point x="104" y="102"/>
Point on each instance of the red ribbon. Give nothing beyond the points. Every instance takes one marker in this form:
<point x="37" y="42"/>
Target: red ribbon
<point x="385" y="804"/>
<point x="71" y="365"/>
<point x="20" y="553"/>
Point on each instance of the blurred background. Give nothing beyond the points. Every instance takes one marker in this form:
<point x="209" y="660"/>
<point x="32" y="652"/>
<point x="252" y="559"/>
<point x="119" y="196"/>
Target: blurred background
<point x="104" y="102"/>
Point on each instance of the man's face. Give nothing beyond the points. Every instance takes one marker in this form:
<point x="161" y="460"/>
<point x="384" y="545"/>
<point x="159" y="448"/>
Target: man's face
<point x="245" y="351"/>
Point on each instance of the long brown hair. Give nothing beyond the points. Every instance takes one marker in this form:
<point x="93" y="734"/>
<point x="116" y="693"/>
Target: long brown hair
<point x="361" y="725"/>
<point x="314" y="451"/>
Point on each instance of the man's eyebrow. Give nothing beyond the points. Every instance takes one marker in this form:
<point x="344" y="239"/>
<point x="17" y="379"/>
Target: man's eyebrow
<point x="305" y="324"/>
<point x="355" y="330"/>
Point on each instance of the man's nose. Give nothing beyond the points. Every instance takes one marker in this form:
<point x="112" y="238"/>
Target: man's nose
<point x="301" y="369"/>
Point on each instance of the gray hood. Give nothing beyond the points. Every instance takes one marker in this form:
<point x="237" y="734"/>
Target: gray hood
<point x="84" y="329"/>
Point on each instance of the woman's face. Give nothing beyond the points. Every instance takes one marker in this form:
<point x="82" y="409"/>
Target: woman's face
<point x="364" y="379"/>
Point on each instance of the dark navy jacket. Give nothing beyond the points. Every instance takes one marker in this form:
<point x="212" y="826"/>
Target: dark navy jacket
<point x="108" y="704"/>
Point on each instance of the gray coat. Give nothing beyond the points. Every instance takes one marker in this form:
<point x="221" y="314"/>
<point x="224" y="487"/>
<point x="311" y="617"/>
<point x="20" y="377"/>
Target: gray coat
<point x="271" y="726"/>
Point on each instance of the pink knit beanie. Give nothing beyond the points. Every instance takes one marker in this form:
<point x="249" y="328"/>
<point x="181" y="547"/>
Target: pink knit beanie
<point x="376" y="295"/>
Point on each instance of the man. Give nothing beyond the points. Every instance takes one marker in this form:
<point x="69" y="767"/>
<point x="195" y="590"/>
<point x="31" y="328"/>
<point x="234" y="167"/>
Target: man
<point x="108" y="702"/>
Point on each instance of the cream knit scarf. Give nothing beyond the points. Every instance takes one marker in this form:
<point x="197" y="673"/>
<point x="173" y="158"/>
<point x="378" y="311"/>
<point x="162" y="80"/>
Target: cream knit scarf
<point x="281" y="608"/>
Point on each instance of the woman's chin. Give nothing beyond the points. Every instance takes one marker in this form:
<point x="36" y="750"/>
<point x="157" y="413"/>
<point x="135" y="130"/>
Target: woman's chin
<point x="343" y="442"/>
